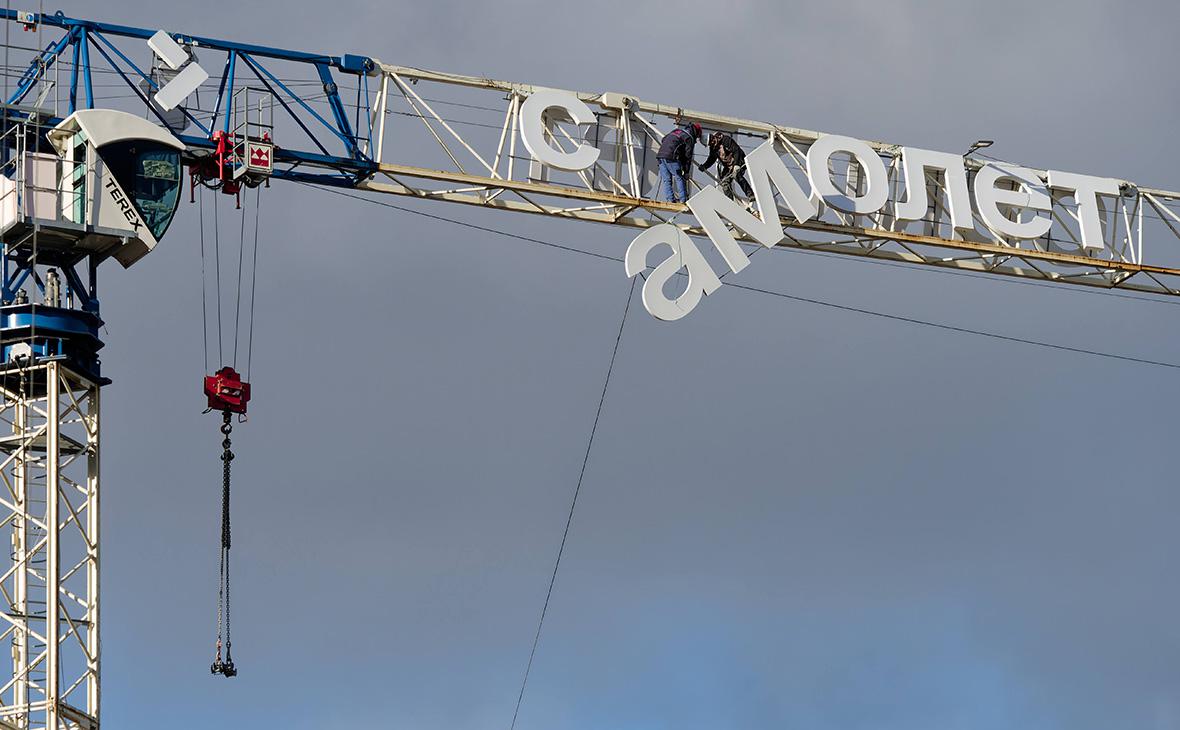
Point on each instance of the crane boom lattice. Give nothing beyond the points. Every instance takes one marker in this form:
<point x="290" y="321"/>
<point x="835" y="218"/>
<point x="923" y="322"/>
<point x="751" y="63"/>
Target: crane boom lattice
<point x="355" y="122"/>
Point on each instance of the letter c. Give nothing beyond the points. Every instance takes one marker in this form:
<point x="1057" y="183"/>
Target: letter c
<point x="532" y="129"/>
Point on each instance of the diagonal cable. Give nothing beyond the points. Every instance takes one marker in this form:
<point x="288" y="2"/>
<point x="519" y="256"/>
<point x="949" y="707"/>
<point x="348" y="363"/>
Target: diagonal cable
<point x="961" y="330"/>
<point x="818" y="302"/>
<point x="573" y="505"/>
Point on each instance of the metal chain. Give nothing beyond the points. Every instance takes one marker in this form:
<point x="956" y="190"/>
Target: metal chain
<point x="225" y="668"/>
<point x="220" y="603"/>
<point x="226" y="457"/>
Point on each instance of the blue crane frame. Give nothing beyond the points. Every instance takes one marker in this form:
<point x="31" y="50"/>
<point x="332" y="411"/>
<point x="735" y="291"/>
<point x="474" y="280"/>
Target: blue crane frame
<point x="345" y="168"/>
<point x="335" y="157"/>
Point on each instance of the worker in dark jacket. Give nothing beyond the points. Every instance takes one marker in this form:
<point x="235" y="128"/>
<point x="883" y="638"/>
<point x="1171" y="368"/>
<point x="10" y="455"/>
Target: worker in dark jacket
<point x="731" y="161"/>
<point x="675" y="156"/>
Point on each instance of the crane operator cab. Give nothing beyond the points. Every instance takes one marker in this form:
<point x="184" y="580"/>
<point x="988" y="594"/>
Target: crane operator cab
<point x="101" y="184"/>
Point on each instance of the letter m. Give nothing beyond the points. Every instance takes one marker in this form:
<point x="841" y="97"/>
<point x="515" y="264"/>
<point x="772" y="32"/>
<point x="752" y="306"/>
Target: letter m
<point x="768" y="174"/>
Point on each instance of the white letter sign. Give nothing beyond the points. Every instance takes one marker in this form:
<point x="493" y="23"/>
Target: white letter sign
<point x="915" y="162"/>
<point x="532" y="129"/>
<point x="1030" y="193"/>
<point x="1086" y="190"/>
<point x="877" y="190"/>
<point x="685" y="255"/>
<point x="768" y="173"/>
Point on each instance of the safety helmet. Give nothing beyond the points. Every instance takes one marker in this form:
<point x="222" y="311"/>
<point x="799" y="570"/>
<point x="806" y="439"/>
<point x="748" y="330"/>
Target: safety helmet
<point x="695" y="129"/>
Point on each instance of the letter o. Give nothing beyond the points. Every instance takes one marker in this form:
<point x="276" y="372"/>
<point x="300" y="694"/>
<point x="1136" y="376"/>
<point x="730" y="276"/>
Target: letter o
<point x="877" y="190"/>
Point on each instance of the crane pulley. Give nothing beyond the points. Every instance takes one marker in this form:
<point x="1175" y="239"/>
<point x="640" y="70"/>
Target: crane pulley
<point x="243" y="151"/>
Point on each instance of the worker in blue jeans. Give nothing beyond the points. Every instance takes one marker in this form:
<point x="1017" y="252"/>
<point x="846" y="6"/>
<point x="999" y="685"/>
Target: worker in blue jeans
<point x="675" y="156"/>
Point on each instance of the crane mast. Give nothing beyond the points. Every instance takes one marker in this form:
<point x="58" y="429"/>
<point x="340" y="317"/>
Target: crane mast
<point x="97" y="185"/>
<point x="86" y="178"/>
<point x="51" y="611"/>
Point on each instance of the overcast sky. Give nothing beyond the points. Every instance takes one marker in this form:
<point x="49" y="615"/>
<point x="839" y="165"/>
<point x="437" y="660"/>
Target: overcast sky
<point x="792" y="516"/>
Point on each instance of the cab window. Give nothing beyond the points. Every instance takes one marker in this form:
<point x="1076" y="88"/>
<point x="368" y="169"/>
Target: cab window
<point x="150" y="174"/>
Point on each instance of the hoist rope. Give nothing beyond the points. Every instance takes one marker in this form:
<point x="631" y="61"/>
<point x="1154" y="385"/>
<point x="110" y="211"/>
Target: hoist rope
<point x="573" y="506"/>
<point x="253" y="282"/>
<point x="223" y="659"/>
<point x="238" y="295"/>
<point x="238" y="333"/>
<point x="204" y="280"/>
<point x="217" y="256"/>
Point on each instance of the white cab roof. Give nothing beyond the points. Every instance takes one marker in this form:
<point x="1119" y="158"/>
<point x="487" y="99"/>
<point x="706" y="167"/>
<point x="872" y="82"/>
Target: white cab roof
<point x="104" y="126"/>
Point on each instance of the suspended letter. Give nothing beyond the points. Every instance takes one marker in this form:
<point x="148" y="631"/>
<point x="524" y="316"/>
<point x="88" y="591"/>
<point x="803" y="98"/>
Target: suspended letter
<point x="1030" y="193"/>
<point x="532" y="129"/>
<point x="877" y="190"/>
<point x="710" y="204"/>
<point x="915" y="162"/>
<point x="1086" y="190"/>
<point x="767" y="174"/>
<point x="685" y="255"/>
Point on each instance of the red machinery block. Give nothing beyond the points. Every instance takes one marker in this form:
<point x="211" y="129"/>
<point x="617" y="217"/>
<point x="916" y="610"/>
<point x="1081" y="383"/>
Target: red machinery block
<point x="227" y="391"/>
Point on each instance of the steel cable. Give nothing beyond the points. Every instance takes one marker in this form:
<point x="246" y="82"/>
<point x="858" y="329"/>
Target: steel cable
<point x="217" y="257"/>
<point x="909" y="320"/>
<point x="204" y="280"/>
<point x="253" y="282"/>
<point x="573" y="506"/>
<point x="238" y="295"/>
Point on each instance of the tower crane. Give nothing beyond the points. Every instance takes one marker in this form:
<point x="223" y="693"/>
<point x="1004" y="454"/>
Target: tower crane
<point x="88" y="175"/>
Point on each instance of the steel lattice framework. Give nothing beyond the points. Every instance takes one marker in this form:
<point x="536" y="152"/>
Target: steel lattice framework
<point x="619" y="189"/>
<point x="49" y="507"/>
<point x="352" y="121"/>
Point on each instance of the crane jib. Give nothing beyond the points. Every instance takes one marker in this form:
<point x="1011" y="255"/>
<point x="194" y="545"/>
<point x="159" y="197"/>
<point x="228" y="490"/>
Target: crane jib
<point x="1012" y="202"/>
<point x="592" y="157"/>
